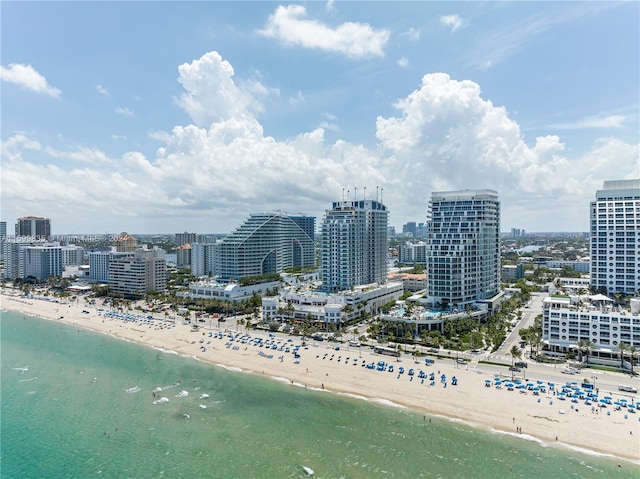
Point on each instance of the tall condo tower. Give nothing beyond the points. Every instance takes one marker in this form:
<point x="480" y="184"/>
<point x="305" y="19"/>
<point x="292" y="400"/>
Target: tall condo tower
<point x="615" y="238"/>
<point x="463" y="247"/>
<point x="35" y="226"/>
<point x="354" y="244"/>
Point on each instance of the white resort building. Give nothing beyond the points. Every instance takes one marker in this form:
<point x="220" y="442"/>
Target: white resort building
<point x="566" y="320"/>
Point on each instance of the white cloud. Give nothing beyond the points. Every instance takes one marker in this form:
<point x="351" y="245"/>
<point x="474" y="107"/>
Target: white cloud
<point x="211" y="93"/>
<point x="448" y="136"/>
<point x="102" y="90"/>
<point x="217" y="171"/>
<point x="291" y="26"/>
<point x="403" y="62"/>
<point x="598" y="121"/>
<point x="412" y="33"/>
<point x="124" y="111"/>
<point x="298" y="98"/>
<point x="452" y="21"/>
<point x="28" y="78"/>
<point x="331" y="6"/>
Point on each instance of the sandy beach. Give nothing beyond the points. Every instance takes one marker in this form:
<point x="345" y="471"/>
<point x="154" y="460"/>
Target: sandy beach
<point x="543" y="417"/>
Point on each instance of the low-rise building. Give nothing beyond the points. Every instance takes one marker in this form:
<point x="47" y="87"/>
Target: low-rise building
<point x="229" y="291"/>
<point x="567" y="320"/>
<point x="329" y="310"/>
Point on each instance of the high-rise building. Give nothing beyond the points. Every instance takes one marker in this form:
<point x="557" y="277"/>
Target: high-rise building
<point x="125" y="243"/>
<point x="133" y="276"/>
<point x="463" y="247"/>
<point x="183" y="256"/>
<point x="409" y="228"/>
<point x="265" y="243"/>
<point x="42" y="261"/>
<point x="3" y="237"/>
<point x="99" y="264"/>
<point x="185" y="238"/>
<point x="615" y="238"/>
<point x="34" y="226"/>
<point x="202" y="255"/>
<point x="354" y="244"/>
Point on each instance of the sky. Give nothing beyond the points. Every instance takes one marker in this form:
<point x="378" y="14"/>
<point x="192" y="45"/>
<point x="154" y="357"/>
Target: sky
<point x="163" y="117"/>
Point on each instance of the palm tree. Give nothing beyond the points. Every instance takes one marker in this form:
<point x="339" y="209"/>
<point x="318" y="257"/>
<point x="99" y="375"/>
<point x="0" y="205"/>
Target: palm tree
<point x="633" y="352"/>
<point x="585" y="346"/>
<point x="622" y="347"/>
<point x="515" y="353"/>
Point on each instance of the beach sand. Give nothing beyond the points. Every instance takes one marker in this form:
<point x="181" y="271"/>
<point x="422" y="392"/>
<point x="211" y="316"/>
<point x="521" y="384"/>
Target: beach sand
<point x="524" y="415"/>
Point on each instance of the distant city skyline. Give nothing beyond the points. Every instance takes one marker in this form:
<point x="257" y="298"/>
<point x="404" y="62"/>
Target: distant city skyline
<point x="162" y="117"/>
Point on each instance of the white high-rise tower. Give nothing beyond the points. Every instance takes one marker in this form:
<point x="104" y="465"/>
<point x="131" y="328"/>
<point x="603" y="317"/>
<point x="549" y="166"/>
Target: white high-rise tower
<point x="354" y="244"/>
<point x="463" y="247"/>
<point x="615" y="238"/>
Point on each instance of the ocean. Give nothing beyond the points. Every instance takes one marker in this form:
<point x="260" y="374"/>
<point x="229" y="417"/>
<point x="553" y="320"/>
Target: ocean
<point x="77" y="404"/>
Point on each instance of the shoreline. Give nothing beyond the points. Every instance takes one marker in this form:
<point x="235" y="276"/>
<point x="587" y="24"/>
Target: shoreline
<point x="320" y="367"/>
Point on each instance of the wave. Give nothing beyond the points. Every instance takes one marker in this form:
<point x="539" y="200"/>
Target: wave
<point x="133" y="390"/>
<point x="182" y="394"/>
<point x="27" y="380"/>
<point x="163" y="350"/>
<point x="162" y="388"/>
<point x="230" y="368"/>
<point x="24" y="369"/>
<point x="161" y="400"/>
<point x="203" y="396"/>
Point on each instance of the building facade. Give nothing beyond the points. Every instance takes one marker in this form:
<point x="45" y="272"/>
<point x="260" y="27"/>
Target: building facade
<point x="99" y="264"/>
<point x="265" y="243"/>
<point x="463" y="247"/>
<point x="354" y="245"/>
<point x="133" y="276"/>
<point x="202" y="259"/>
<point x="568" y="320"/>
<point x="42" y="261"/>
<point x="413" y="253"/>
<point x="36" y="227"/>
<point x="125" y="243"/>
<point x="184" y="238"/>
<point x="615" y="238"/>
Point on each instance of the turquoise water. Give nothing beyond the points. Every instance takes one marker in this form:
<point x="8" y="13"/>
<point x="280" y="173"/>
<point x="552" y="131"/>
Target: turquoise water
<point x="85" y="408"/>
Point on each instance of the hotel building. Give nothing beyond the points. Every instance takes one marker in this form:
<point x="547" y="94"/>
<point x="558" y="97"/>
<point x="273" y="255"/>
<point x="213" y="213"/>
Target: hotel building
<point x="266" y="243"/>
<point x="566" y="320"/>
<point x="615" y="238"/>
<point x="354" y="245"/>
<point x="463" y="247"/>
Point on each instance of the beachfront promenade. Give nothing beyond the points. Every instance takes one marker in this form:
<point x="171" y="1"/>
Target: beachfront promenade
<point x="572" y="419"/>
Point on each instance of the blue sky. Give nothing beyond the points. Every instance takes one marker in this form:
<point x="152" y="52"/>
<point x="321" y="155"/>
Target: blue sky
<point x="171" y="116"/>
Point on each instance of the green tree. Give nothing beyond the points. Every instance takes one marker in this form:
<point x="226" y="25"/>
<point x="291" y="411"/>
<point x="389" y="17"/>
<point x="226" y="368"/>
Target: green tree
<point x="585" y="346"/>
<point x="515" y="353"/>
<point x="622" y="348"/>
